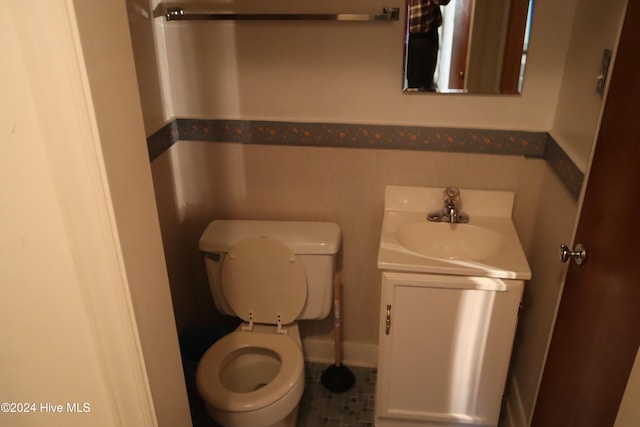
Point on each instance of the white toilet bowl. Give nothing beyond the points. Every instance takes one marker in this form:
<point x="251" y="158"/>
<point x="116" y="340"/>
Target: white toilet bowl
<point x="253" y="379"/>
<point x="269" y="274"/>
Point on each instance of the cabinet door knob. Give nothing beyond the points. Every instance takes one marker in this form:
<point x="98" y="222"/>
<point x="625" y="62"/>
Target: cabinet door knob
<point x="388" y="323"/>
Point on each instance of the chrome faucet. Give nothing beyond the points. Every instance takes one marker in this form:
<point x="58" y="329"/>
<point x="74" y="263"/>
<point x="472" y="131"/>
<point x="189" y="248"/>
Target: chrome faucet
<point x="451" y="211"/>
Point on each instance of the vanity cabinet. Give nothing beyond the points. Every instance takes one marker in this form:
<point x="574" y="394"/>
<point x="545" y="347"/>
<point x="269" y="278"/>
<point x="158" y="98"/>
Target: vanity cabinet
<point x="444" y="349"/>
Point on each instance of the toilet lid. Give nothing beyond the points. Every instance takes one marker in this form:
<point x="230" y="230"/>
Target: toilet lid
<point x="263" y="277"/>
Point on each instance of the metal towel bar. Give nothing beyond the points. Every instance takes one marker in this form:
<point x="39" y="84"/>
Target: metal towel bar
<point x="179" y="14"/>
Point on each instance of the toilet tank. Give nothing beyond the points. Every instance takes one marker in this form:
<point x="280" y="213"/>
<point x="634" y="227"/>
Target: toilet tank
<point x="315" y="243"/>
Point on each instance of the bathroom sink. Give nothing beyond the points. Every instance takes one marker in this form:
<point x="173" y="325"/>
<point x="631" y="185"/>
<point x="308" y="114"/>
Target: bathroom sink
<point x="450" y="241"/>
<point x="486" y="246"/>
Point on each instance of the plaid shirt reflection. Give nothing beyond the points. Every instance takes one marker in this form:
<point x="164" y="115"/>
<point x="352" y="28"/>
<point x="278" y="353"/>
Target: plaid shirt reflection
<point x="424" y="15"/>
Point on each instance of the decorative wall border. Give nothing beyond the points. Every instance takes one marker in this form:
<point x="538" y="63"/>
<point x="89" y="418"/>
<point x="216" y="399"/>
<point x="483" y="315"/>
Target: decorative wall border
<point x="559" y="161"/>
<point x="349" y="136"/>
<point x="479" y="141"/>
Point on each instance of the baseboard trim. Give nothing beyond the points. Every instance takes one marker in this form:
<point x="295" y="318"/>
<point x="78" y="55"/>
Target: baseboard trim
<point x="354" y="354"/>
<point x="516" y="414"/>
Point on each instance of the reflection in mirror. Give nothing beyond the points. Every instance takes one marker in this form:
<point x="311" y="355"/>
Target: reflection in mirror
<point x="466" y="46"/>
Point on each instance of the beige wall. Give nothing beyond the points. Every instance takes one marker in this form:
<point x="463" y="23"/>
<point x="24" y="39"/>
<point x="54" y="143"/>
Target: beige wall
<point x="345" y="72"/>
<point x="146" y="59"/>
<point x="554" y="218"/>
<point x="595" y="29"/>
<point x="48" y="351"/>
<point x="197" y="182"/>
<point x="86" y="311"/>
<point x="108" y="58"/>
<point x="629" y="412"/>
<point x="327" y="72"/>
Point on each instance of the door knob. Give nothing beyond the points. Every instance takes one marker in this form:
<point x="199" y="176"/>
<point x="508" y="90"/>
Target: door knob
<point x="579" y="255"/>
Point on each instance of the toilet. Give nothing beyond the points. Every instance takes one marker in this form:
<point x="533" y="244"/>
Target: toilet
<point x="270" y="274"/>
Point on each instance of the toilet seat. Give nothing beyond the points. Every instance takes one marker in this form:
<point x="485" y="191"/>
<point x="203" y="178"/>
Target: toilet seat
<point x="209" y="371"/>
<point x="264" y="282"/>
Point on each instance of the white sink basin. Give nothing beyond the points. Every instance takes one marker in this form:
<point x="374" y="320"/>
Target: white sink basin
<point x="450" y="241"/>
<point x="488" y="246"/>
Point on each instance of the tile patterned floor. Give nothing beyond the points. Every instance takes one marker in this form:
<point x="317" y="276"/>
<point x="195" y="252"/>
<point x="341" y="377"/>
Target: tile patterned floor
<point x="353" y="408"/>
<point x="319" y="407"/>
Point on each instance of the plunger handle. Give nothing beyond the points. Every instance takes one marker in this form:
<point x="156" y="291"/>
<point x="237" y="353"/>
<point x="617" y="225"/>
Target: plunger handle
<point x="337" y="317"/>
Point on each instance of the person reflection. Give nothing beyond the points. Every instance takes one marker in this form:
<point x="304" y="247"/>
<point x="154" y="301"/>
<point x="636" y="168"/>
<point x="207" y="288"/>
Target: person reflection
<point x="422" y="51"/>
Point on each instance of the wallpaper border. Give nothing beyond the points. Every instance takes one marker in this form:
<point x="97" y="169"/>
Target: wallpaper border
<point x="388" y="137"/>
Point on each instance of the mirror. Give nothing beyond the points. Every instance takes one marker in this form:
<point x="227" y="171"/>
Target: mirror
<point x="466" y="46"/>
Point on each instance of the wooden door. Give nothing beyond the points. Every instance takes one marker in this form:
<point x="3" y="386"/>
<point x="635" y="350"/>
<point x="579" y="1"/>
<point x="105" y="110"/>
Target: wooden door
<point x="518" y="16"/>
<point x="460" y="44"/>
<point x="597" y="330"/>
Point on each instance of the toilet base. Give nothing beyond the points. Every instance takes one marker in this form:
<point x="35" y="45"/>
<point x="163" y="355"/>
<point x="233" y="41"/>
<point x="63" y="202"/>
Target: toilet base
<point x="290" y="420"/>
<point x="257" y="418"/>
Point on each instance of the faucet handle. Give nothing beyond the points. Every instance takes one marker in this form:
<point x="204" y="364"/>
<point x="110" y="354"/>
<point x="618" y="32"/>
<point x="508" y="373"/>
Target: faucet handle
<point x="450" y="212"/>
<point x="451" y="195"/>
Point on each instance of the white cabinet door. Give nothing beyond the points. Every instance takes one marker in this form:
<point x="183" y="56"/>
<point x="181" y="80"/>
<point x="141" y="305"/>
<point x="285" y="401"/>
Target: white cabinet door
<point x="444" y="348"/>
